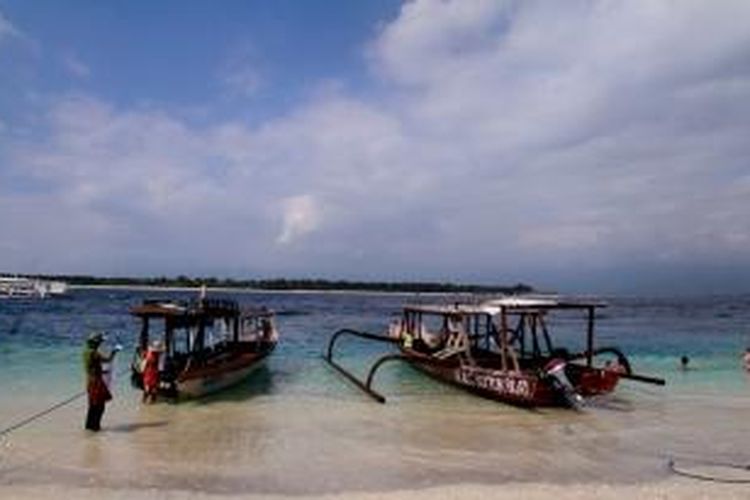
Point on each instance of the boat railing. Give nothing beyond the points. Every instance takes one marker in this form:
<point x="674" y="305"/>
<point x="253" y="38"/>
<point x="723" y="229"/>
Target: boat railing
<point x="218" y="305"/>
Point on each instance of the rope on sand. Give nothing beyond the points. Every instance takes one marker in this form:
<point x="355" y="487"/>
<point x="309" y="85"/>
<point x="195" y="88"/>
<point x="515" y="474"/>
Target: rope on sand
<point x="708" y="476"/>
<point x="47" y="411"/>
<point x="40" y="414"/>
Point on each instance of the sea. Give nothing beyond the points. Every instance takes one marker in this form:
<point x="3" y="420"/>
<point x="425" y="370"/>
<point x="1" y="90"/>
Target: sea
<point x="296" y="427"/>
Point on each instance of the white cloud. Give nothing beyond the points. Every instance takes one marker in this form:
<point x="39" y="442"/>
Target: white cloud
<point x="428" y="34"/>
<point x="153" y="181"/>
<point x="510" y="140"/>
<point x="587" y="115"/>
<point x="301" y="215"/>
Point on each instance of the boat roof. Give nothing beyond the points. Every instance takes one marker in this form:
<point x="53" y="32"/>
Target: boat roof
<point x="14" y="279"/>
<point x="172" y="308"/>
<point x="159" y="308"/>
<point x="216" y="308"/>
<point x="511" y="304"/>
<point x="258" y="311"/>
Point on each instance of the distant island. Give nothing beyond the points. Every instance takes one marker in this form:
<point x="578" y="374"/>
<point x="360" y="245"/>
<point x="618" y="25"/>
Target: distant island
<point x="285" y="284"/>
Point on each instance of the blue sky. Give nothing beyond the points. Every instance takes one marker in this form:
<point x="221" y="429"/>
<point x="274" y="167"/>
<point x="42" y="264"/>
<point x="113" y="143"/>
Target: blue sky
<point x="179" y="54"/>
<point x="590" y="145"/>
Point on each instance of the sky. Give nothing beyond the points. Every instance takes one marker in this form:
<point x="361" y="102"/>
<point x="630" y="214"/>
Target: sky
<point x="594" y="146"/>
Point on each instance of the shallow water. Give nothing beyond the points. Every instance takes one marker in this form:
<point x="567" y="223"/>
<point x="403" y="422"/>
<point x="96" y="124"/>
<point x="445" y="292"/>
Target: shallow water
<point x="296" y="427"/>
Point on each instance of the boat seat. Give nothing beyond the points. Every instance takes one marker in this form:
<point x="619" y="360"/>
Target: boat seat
<point x="456" y="344"/>
<point x="434" y="341"/>
<point x="448" y="352"/>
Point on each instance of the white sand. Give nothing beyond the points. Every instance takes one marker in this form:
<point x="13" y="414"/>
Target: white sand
<point x="671" y="489"/>
<point x="311" y="445"/>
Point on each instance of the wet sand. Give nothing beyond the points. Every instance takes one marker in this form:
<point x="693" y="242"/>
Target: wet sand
<point x="441" y="445"/>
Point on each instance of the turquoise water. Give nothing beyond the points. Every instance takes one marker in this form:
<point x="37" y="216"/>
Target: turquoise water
<point x="296" y="427"/>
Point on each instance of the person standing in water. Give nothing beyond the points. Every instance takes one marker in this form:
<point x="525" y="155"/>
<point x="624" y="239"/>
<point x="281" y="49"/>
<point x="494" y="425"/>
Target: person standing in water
<point x="96" y="388"/>
<point x="684" y="362"/>
<point x="746" y="360"/>
<point x="151" y="372"/>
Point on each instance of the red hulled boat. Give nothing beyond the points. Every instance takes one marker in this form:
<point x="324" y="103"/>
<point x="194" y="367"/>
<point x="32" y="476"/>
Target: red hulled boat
<point x="501" y="349"/>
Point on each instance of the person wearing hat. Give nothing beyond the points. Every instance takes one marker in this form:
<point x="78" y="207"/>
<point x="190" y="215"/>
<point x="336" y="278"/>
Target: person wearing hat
<point x="150" y="372"/>
<point x="96" y="388"/>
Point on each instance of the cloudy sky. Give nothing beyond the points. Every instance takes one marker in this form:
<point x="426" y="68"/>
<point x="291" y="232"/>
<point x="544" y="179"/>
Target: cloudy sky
<point x="598" y="146"/>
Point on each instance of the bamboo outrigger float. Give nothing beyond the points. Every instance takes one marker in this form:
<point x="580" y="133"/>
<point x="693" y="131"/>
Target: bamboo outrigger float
<point x="500" y="349"/>
<point x="209" y="344"/>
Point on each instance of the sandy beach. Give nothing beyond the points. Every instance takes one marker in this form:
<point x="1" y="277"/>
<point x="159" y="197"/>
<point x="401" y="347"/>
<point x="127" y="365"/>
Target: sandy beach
<point x="334" y="448"/>
<point x="671" y="489"/>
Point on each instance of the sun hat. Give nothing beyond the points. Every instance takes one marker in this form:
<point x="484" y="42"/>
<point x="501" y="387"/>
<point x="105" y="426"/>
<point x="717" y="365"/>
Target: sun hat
<point x="157" y="345"/>
<point x="95" y="338"/>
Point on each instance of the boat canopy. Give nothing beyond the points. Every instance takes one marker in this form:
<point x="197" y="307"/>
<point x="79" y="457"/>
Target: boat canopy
<point x="259" y="312"/>
<point x="509" y="304"/>
<point x="214" y="308"/>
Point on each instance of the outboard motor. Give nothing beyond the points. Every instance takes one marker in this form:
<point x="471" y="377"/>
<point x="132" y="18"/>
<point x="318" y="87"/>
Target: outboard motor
<point x="555" y="372"/>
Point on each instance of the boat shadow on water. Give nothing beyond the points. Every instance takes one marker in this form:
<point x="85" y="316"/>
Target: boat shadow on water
<point x="258" y="384"/>
<point x="610" y="403"/>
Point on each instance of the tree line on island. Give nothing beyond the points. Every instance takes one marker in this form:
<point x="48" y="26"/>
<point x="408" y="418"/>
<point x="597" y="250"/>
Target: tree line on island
<point x="288" y="284"/>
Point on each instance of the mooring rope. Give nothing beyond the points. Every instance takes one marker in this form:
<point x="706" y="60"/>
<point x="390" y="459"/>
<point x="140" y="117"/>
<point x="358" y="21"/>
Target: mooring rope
<point x="15" y="328"/>
<point x="708" y="477"/>
<point x="40" y="414"/>
<point x="24" y="422"/>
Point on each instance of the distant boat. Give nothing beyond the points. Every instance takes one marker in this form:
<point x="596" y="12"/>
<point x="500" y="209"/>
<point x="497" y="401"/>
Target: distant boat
<point x="209" y="344"/>
<point x="17" y="287"/>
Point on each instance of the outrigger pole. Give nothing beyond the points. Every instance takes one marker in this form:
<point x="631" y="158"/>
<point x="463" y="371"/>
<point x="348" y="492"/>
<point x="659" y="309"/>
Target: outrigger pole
<point x="365" y="386"/>
<point x="643" y="378"/>
<point x="623" y="360"/>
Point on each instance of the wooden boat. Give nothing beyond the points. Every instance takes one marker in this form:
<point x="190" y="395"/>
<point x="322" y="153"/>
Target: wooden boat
<point x="500" y="349"/>
<point x="209" y="344"/>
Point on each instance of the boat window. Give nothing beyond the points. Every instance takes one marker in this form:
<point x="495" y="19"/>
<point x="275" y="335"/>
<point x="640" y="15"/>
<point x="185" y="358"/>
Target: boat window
<point x="253" y="327"/>
<point x="432" y="325"/>
<point x="256" y="328"/>
<point x="183" y="340"/>
<point x="217" y="332"/>
<point x="567" y="328"/>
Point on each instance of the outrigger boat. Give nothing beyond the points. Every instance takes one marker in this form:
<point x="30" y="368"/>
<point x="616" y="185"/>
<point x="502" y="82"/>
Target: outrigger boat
<point x="500" y="349"/>
<point x="209" y="344"/>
